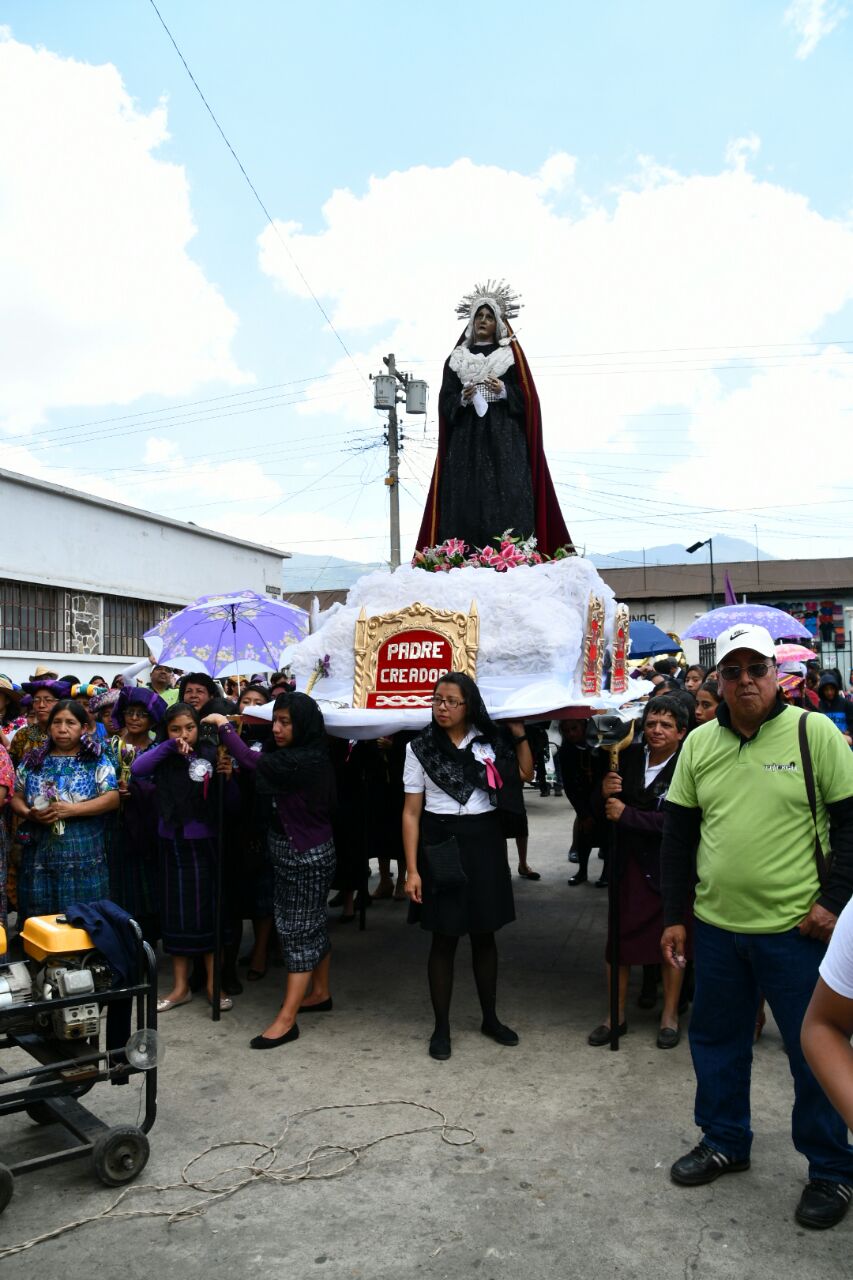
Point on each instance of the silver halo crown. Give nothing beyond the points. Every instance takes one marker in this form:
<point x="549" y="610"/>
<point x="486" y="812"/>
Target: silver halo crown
<point x="506" y="299"/>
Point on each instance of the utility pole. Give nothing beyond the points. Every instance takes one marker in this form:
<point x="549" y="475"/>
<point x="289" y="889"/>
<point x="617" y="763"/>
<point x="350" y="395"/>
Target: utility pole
<point x="387" y="394"/>
<point x="393" y="478"/>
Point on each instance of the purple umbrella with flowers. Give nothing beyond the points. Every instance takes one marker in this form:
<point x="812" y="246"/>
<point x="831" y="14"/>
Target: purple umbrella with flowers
<point x="228" y="635"/>
<point x="781" y="625"/>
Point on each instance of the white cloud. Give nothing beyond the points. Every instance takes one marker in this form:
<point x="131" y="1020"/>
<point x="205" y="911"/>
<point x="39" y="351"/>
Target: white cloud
<point x="811" y="20"/>
<point x="635" y="305"/>
<point x="163" y="479"/>
<point x="740" y="150"/>
<point x="100" y="301"/>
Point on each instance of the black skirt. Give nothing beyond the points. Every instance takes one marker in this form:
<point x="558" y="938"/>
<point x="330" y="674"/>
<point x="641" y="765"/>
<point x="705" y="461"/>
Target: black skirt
<point x="485" y="903"/>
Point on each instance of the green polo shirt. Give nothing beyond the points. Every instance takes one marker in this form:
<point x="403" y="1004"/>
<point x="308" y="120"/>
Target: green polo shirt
<point x="755" y="862"/>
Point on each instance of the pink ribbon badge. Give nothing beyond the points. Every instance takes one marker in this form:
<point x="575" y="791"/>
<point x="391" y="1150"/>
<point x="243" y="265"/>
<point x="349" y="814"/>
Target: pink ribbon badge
<point x="493" y="778"/>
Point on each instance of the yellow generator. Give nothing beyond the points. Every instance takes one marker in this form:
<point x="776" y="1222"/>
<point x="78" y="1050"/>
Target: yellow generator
<point x="65" y="1007"/>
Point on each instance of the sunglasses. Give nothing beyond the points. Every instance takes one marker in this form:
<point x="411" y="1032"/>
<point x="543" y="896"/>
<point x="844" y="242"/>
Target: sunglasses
<point x="755" y="669"/>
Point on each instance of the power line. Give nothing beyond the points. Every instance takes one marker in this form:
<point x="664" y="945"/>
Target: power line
<point x="178" y="423"/>
<point x="653" y="351"/>
<point x="183" y="405"/>
<point x="254" y="192"/>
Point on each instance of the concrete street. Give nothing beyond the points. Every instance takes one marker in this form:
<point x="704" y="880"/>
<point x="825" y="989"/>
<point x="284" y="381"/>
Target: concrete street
<point x="569" y="1172"/>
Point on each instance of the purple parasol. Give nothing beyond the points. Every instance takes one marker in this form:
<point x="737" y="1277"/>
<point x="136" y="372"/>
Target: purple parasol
<point x="236" y="634"/>
<point x="780" y="624"/>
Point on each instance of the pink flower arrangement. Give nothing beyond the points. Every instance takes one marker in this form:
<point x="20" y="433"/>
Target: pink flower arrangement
<point x="509" y="554"/>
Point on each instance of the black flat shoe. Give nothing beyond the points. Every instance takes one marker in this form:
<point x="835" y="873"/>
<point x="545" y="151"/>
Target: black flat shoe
<point x="231" y="984"/>
<point x="325" y="1006"/>
<point x="601" y="1034"/>
<point x="264" y="1042"/>
<point x="255" y="975"/>
<point x="580" y="877"/>
<point x="704" y="1164"/>
<point x="600" y="883"/>
<point x="529" y="875"/>
<point x="823" y="1204"/>
<point x="439" y="1047"/>
<point x="501" y="1034"/>
<point x="668" y="1037"/>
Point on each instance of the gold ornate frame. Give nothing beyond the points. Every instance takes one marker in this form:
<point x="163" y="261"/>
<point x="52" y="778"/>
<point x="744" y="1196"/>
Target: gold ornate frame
<point x="621" y="645"/>
<point x="593" y="648"/>
<point x="462" y="630"/>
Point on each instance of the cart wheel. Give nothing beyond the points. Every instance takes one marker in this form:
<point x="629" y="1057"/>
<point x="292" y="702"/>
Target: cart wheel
<point x="120" y="1154"/>
<point x="40" y="1113"/>
<point x="7" y="1186"/>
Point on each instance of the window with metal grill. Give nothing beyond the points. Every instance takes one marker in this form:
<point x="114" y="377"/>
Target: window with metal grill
<point x="125" y="621"/>
<point x="31" y="617"/>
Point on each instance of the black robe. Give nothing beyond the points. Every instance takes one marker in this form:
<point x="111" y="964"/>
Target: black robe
<point x="485" y="485"/>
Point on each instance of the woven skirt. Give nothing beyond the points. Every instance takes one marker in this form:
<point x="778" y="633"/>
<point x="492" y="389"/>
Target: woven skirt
<point x="133" y="875"/>
<point x="485" y="903"/>
<point x="302" y="883"/>
<point x="187" y="871"/>
<point x="57" y="870"/>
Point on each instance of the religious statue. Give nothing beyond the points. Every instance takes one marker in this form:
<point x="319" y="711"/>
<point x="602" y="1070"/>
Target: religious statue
<point x="490" y="473"/>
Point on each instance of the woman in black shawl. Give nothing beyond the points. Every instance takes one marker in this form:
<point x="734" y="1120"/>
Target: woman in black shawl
<point x="458" y="772"/>
<point x="296" y="792"/>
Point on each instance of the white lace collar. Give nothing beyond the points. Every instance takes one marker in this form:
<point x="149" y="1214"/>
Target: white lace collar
<point x="473" y="366"/>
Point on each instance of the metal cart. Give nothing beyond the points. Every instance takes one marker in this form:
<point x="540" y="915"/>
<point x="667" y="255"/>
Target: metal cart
<point x="67" y="1070"/>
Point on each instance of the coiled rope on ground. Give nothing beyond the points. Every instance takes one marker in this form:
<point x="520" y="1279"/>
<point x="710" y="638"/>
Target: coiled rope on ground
<point x="324" y="1161"/>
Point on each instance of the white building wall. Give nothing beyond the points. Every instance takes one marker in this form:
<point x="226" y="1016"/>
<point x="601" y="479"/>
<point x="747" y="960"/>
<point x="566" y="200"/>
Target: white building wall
<point x="64" y="540"/>
<point x="58" y="538"/>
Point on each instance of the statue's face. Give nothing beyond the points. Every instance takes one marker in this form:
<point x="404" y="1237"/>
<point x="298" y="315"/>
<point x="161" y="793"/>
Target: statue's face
<point x="484" y="324"/>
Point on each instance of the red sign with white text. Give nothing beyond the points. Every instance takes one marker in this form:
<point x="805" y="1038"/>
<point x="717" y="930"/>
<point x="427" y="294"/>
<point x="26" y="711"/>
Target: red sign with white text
<point x="407" y="667"/>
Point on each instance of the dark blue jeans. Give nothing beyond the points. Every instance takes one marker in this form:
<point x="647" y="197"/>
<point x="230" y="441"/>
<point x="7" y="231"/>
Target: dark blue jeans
<point x="732" y="971"/>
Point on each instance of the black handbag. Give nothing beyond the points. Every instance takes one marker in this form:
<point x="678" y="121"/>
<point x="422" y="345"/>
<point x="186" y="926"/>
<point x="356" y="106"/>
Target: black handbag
<point x="445" y="865"/>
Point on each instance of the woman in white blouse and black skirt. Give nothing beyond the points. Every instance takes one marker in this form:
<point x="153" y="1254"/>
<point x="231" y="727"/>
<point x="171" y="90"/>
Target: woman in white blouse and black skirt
<point x="458" y="772"/>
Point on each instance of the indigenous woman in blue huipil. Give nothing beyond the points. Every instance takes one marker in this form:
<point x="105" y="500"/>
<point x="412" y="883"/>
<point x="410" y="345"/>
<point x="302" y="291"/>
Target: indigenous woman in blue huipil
<point x="63" y="790"/>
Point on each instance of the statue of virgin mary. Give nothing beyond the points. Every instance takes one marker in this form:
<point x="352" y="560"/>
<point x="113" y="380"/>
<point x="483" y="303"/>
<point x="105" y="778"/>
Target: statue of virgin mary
<point x="490" y="473"/>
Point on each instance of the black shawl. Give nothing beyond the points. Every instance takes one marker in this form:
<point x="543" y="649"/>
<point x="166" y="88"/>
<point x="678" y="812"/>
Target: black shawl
<point x="457" y="771"/>
<point x="304" y="766"/>
<point x="181" y="800"/>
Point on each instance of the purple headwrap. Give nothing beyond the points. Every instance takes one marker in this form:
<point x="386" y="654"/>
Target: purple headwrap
<point x="58" y="688"/>
<point x="151" y="701"/>
<point x="106" y="698"/>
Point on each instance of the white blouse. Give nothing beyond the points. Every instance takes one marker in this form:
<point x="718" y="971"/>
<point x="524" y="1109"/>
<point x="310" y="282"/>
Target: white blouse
<point x="417" y="782"/>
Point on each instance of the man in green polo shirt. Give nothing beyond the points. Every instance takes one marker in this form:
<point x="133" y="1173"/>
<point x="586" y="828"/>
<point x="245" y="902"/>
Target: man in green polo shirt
<point x="738" y="802"/>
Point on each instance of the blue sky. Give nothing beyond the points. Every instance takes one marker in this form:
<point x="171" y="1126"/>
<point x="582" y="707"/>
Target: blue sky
<point x="695" y="219"/>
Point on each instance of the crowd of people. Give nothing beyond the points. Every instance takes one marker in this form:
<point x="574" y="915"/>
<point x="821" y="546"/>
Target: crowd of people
<point x="722" y="813"/>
